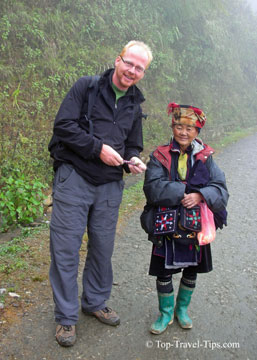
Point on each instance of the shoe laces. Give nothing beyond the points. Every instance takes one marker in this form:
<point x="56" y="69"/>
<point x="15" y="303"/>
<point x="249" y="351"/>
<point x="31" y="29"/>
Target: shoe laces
<point x="107" y="310"/>
<point x="67" y="327"/>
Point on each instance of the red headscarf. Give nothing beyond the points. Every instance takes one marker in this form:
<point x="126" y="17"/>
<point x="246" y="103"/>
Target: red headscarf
<point x="187" y="115"/>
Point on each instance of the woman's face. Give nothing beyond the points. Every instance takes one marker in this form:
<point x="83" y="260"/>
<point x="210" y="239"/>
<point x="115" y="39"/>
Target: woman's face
<point x="184" y="135"/>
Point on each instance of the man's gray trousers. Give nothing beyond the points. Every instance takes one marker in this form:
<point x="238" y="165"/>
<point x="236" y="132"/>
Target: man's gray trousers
<point x="78" y="205"/>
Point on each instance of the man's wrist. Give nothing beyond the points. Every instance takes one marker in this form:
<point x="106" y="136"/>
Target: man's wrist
<point x="98" y="146"/>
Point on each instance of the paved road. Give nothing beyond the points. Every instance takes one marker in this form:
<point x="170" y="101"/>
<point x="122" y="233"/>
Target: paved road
<point x="223" y="308"/>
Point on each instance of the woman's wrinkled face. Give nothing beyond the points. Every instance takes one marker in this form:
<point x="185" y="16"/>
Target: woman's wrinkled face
<point x="184" y="135"/>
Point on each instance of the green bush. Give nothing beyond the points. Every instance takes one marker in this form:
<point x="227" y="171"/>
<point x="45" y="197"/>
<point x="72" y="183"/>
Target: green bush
<point x="21" y="199"/>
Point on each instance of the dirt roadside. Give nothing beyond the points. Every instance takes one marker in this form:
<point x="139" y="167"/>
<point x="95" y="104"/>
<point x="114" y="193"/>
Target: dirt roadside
<point x="223" y="307"/>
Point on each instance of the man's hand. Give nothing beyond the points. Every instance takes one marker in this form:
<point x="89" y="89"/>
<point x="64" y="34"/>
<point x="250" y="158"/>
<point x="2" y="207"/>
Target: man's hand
<point x="110" y="157"/>
<point x="191" y="200"/>
<point x="138" y="166"/>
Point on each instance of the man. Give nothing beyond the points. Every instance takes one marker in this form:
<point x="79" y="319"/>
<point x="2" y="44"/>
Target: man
<point x="88" y="185"/>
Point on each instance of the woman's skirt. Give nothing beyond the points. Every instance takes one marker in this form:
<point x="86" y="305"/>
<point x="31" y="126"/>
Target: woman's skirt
<point x="158" y="264"/>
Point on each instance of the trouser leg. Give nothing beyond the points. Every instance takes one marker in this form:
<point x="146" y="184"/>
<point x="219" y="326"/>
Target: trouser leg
<point x="102" y="220"/>
<point x="63" y="276"/>
<point x="68" y="223"/>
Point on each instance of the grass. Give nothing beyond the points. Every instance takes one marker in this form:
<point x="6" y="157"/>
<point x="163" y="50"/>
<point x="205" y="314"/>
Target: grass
<point x="132" y="198"/>
<point x="21" y="259"/>
<point x="232" y="137"/>
<point x="12" y="255"/>
<point x="15" y="253"/>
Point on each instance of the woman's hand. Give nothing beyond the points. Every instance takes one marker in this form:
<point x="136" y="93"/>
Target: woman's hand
<point x="191" y="200"/>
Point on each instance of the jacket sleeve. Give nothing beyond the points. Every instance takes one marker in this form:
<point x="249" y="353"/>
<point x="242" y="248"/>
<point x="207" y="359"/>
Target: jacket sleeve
<point x="158" y="188"/>
<point x="66" y="125"/>
<point x="215" y="193"/>
<point x="134" y="142"/>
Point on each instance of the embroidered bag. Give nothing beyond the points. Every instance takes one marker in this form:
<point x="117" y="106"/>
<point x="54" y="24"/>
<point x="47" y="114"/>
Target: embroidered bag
<point x="165" y="220"/>
<point x="208" y="232"/>
<point x="184" y="236"/>
<point x="190" y="219"/>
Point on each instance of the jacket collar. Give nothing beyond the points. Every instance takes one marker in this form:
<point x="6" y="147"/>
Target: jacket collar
<point x="196" y="146"/>
<point x="199" y="149"/>
<point x="133" y="91"/>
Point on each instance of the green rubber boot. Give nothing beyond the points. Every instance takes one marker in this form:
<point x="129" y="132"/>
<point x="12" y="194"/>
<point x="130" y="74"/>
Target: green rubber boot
<point x="182" y="303"/>
<point x="166" y="307"/>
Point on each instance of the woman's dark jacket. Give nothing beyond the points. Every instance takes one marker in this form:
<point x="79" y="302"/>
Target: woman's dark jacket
<point x="117" y="125"/>
<point x="162" y="187"/>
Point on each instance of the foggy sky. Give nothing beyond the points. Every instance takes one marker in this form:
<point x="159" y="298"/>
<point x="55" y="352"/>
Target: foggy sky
<point x="253" y="4"/>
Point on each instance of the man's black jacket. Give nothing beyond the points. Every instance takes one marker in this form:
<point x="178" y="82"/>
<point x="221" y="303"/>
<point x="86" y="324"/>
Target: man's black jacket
<point x="118" y="125"/>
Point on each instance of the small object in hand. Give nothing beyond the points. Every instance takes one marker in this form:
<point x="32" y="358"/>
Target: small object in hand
<point x="128" y="162"/>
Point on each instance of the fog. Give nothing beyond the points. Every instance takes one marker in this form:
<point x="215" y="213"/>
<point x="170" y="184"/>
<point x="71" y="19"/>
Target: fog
<point x="253" y="4"/>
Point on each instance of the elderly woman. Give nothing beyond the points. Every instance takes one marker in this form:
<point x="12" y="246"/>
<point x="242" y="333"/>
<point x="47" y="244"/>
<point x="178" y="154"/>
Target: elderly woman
<point x="179" y="176"/>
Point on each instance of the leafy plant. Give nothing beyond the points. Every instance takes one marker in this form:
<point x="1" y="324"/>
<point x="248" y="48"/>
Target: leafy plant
<point x="20" y="200"/>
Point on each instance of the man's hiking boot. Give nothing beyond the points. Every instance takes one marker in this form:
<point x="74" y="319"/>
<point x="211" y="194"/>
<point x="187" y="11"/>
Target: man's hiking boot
<point x="106" y="316"/>
<point x="65" y="335"/>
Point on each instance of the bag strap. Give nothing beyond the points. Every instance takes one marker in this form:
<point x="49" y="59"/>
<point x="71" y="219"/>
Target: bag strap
<point x="93" y="89"/>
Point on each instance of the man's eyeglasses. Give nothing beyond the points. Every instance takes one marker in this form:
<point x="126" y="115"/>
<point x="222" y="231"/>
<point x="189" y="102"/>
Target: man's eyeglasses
<point x="130" y="65"/>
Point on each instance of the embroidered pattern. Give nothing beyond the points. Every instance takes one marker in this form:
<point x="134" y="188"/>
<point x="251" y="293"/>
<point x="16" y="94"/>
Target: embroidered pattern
<point x="165" y="221"/>
<point x="194" y="219"/>
<point x="191" y="218"/>
<point x="164" y="283"/>
<point x="188" y="281"/>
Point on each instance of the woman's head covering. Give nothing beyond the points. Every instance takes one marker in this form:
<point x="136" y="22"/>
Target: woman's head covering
<point x="186" y="115"/>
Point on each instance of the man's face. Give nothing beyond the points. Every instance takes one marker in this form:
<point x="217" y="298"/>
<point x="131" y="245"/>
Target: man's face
<point x="129" y="68"/>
